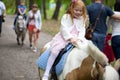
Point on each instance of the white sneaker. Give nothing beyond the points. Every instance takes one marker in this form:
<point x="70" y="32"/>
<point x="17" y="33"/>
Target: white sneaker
<point x="45" y="77"/>
<point x="32" y="47"/>
<point x="35" y="51"/>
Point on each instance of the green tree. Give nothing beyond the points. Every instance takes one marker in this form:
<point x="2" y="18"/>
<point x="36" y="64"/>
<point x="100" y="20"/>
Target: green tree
<point x="57" y="9"/>
<point x="17" y="3"/>
<point x="31" y="2"/>
<point x="44" y="8"/>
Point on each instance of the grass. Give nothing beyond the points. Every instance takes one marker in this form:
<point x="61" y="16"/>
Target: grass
<point x="51" y="26"/>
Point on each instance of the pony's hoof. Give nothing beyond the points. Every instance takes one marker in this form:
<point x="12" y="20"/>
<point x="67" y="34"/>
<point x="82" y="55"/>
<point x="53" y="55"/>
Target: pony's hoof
<point x="18" y="43"/>
<point x="22" y="44"/>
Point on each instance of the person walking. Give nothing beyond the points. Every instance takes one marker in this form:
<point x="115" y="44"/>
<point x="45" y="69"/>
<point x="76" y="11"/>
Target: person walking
<point x="34" y="24"/>
<point x="100" y="30"/>
<point x="115" y="31"/>
<point x="2" y="14"/>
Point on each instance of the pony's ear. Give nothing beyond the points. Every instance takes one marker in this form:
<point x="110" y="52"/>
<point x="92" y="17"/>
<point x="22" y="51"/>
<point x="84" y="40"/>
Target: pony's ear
<point x="100" y="70"/>
<point x="100" y="67"/>
<point x="117" y="64"/>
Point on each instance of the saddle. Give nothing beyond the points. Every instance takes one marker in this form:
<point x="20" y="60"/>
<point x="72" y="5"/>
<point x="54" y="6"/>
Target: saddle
<point x="68" y="47"/>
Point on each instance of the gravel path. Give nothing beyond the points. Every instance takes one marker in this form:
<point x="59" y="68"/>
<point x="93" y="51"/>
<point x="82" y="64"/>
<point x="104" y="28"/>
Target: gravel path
<point x="17" y="62"/>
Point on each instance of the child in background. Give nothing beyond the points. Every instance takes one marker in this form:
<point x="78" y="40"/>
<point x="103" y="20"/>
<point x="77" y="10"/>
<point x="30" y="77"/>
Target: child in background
<point x="34" y="23"/>
<point x="21" y="11"/>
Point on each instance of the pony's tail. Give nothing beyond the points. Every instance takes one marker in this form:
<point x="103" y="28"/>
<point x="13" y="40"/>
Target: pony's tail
<point x="110" y="73"/>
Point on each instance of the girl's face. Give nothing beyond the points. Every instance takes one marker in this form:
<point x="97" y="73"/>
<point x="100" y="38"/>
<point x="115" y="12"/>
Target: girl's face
<point x="77" y="12"/>
<point x="22" y="3"/>
<point x="34" y="9"/>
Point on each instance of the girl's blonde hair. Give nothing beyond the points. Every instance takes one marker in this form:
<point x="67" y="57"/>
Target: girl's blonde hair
<point x="79" y="3"/>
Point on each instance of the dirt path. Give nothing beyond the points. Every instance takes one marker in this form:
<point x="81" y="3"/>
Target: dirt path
<point x="16" y="62"/>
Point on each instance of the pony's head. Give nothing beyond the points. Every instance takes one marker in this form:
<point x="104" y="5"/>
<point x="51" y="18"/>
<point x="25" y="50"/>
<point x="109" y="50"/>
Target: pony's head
<point x="107" y="73"/>
<point x="20" y="23"/>
<point x="110" y="74"/>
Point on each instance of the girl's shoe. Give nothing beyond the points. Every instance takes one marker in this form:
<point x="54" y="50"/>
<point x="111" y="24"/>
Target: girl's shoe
<point x="31" y="47"/>
<point x="45" y="77"/>
<point x="35" y="50"/>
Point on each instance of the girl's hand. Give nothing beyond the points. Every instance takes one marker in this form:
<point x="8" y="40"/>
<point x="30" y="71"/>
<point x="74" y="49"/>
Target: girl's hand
<point x="35" y="30"/>
<point x="74" y="41"/>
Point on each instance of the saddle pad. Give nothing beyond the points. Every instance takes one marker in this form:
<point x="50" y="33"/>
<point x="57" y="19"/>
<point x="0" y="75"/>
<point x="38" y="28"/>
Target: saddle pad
<point x="43" y="59"/>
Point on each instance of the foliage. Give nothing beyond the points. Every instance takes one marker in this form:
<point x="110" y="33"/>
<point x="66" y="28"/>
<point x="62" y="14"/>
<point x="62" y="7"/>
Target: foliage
<point x="10" y="4"/>
<point x="48" y="27"/>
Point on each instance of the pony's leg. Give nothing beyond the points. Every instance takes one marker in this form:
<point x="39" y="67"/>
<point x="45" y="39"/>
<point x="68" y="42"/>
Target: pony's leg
<point x="17" y="34"/>
<point x="54" y="53"/>
<point x="23" y="37"/>
<point x="18" y="42"/>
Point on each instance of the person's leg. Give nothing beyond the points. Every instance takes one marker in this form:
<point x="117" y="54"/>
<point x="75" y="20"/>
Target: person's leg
<point x="94" y="39"/>
<point x="49" y="65"/>
<point x="25" y="16"/>
<point x="99" y="40"/>
<point x="30" y="38"/>
<point x="35" y="41"/>
<point x="15" y="21"/>
<point x="116" y="46"/>
<point x="0" y="25"/>
<point x="30" y="30"/>
<point x="54" y="53"/>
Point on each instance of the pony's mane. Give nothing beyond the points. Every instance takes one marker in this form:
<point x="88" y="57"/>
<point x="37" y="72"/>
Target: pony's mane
<point x="96" y="54"/>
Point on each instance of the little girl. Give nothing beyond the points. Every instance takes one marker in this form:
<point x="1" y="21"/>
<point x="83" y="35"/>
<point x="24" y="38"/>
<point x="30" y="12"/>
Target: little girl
<point x="72" y="30"/>
<point x="34" y="23"/>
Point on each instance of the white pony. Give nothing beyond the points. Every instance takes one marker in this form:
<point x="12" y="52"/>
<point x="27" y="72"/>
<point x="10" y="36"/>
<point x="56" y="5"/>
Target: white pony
<point x="20" y="29"/>
<point x="82" y="51"/>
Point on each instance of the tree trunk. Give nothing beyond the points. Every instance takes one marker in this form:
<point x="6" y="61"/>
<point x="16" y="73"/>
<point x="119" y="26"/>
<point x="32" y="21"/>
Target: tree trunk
<point x="44" y="9"/>
<point x="17" y="3"/>
<point x="31" y="2"/>
<point x="56" y="13"/>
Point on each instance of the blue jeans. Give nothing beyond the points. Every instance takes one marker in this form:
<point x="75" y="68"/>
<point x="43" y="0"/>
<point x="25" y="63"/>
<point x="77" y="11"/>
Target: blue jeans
<point x="116" y="46"/>
<point x="99" y="40"/>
